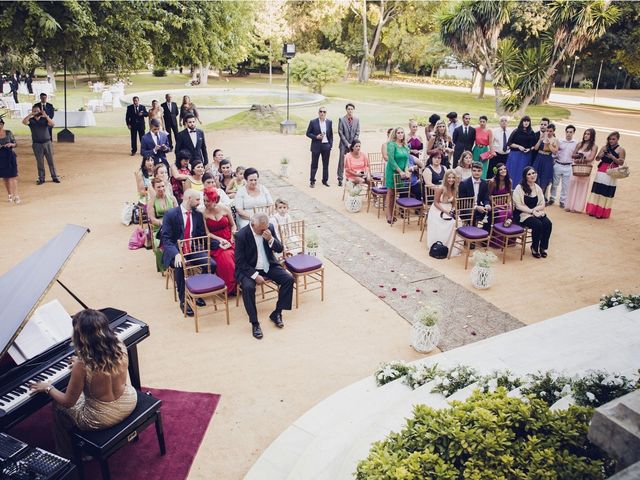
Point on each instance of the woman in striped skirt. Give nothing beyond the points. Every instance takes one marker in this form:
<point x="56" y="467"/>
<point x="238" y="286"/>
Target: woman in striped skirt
<point x="603" y="190"/>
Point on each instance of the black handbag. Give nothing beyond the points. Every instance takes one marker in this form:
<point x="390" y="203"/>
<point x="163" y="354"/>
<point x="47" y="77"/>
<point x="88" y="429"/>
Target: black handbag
<point x="439" y="250"/>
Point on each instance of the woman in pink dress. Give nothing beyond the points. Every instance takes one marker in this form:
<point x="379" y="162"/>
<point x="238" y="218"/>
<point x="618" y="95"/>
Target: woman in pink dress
<point x="585" y="152"/>
<point x="221" y="227"/>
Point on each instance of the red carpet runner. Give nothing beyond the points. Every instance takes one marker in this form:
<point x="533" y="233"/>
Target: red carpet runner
<point x="185" y="417"/>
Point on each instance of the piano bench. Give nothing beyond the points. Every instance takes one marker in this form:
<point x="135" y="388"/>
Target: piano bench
<point x="101" y="444"/>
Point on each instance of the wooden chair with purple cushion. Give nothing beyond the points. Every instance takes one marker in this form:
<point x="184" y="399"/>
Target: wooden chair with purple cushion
<point x="302" y="266"/>
<point x="429" y="194"/>
<point x="199" y="282"/>
<point x="404" y="203"/>
<point x="504" y="236"/>
<point x="376" y="166"/>
<point x="467" y="234"/>
<point x="378" y="192"/>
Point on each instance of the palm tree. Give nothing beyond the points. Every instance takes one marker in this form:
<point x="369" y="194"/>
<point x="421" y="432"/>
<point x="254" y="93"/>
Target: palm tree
<point x="472" y="29"/>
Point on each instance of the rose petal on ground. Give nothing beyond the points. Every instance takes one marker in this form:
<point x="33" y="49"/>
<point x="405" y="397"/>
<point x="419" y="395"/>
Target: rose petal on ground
<point x="394" y="289"/>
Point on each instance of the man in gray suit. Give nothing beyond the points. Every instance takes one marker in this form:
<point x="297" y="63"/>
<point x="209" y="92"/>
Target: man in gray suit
<point x="348" y="130"/>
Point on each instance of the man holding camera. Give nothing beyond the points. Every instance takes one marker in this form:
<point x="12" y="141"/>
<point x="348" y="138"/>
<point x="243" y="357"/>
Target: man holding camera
<point x="40" y="123"/>
<point x="155" y="144"/>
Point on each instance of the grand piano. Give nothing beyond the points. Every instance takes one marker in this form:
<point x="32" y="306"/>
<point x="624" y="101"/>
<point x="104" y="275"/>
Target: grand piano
<point x="22" y="289"/>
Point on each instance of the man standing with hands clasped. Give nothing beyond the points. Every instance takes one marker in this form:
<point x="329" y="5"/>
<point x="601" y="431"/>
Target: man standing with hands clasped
<point x="135" y="122"/>
<point x="348" y="130"/>
<point x="320" y="131"/>
<point x="40" y="123"/>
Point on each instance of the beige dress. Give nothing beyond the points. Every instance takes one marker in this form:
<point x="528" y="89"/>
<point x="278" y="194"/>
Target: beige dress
<point x="90" y="414"/>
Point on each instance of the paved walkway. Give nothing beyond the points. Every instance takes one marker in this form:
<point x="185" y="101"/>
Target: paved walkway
<point x="396" y="278"/>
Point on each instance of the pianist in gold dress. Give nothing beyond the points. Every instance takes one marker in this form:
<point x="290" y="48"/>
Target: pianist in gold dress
<point x="98" y="395"/>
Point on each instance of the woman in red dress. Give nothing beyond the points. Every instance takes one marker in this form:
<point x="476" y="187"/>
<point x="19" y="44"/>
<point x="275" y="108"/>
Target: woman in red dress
<point x="221" y="227"/>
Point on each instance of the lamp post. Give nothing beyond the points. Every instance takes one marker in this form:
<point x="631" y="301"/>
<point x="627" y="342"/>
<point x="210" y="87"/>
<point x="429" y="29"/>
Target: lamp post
<point x="595" y="93"/>
<point x="575" y="59"/>
<point x="65" y="135"/>
<point x="615" y="87"/>
<point x="289" y="51"/>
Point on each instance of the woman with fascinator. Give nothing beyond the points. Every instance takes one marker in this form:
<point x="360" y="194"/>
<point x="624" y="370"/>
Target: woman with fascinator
<point x="99" y="394"/>
<point x="220" y="226"/>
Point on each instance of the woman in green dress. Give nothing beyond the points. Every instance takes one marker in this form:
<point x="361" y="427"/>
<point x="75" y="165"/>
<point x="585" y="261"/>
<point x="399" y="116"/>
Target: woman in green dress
<point x="155" y="211"/>
<point x="397" y="163"/>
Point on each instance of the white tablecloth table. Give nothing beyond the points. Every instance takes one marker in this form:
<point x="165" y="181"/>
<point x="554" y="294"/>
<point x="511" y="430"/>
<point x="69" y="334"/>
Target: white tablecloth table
<point x="21" y="110"/>
<point x="42" y="87"/>
<point x="75" y="119"/>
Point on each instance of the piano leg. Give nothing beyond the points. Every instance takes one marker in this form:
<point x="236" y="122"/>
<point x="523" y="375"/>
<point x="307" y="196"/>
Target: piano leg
<point x="134" y="367"/>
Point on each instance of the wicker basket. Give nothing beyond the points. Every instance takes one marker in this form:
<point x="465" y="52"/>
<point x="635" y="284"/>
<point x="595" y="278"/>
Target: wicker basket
<point x="581" y="169"/>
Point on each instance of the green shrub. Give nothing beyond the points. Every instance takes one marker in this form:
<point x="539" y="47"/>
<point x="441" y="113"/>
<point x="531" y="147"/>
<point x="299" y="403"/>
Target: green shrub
<point x="499" y="378"/>
<point x="315" y="70"/>
<point x="489" y="437"/>
<point x="159" y="72"/>
<point x="587" y="84"/>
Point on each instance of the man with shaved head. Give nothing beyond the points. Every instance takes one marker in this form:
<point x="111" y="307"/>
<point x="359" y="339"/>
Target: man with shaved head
<point x="182" y="223"/>
<point x="255" y="262"/>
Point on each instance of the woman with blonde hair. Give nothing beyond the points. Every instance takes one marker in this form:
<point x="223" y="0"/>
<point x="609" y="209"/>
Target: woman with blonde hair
<point x="463" y="170"/>
<point x="441" y="222"/>
<point x="397" y="163"/>
<point x="98" y="395"/>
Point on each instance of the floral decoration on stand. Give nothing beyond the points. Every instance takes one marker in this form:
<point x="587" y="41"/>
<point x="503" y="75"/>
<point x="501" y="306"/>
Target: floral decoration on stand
<point x="484" y="259"/>
<point x="455" y="379"/>
<point x="425" y="333"/>
<point x="482" y="273"/>
<point x="390" y="371"/>
<point x="353" y="201"/>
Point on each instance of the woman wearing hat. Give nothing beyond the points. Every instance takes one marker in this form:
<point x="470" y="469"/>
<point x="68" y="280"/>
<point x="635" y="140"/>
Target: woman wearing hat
<point x="9" y="163"/>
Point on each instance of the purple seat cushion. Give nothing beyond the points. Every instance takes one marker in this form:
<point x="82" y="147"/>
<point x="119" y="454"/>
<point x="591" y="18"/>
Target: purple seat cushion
<point x="379" y="190"/>
<point x="512" y="229"/>
<point x="302" y="263"/>
<point x="376" y="176"/>
<point x="203" y="283"/>
<point x="408" y="202"/>
<point x="472" y="233"/>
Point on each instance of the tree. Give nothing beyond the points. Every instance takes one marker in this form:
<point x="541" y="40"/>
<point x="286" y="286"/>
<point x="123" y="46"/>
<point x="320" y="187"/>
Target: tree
<point x="382" y="13"/>
<point x="472" y="30"/>
<point x="271" y="29"/>
<point x="315" y="70"/>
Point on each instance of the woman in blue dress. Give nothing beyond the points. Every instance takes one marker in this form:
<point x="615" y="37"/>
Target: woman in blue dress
<point x="547" y="147"/>
<point x="521" y="141"/>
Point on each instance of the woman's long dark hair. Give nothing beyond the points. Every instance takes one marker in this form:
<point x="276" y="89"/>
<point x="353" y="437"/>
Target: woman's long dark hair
<point x="145" y="174"/>
<point x="523" y="183"/>
<point x="95" y="343"/>
<point x="526" y="118"/>
<point x="495" y="181"/>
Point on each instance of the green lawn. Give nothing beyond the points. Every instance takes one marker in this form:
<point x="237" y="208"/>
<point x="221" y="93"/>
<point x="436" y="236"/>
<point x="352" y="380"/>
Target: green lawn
<point x="379" y="106"/>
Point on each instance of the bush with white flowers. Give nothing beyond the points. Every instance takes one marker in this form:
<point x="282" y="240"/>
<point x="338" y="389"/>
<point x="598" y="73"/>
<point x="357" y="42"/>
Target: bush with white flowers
<point x="455" y="379"/>
<point x="599" y="387"/>
<point x="549" y="386"/>
<point x="390" y="371"/>
<point x="499" y="378"/>
<point x="421" y="374"/>
<point x="632" y="302"/>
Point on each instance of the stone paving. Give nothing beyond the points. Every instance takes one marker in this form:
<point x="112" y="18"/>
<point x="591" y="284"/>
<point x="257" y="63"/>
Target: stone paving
<point x="395" y="277"/>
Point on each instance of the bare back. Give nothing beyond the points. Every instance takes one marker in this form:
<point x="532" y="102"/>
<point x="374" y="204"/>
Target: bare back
<point x="107" y="387"/>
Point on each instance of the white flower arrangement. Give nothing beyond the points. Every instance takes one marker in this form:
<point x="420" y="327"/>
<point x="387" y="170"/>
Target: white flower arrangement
<point x="548" y="386"/>
<point x="483" y="259"/>
<point x="428" y="315"/>
<point x="421" y="374"/>
<point x="353" y="189"/>
<point x="390" y="371"/>
<point x="632" y="302"/>
<point x="450" y="381"/>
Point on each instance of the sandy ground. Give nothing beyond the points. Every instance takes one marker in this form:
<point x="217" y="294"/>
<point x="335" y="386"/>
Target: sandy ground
<point x="324" y="346"/>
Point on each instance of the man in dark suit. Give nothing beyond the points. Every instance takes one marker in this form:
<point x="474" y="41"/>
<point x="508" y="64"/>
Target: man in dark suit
<point x="170" y="117"/>
<point x="476" y="187"/>
<point x="174" y="228"/>
<point x="255" y="244"/>
<point x="191" y="139"/>
<point x="48" y="109"/>
<point x="320" y="131"/>
<point x="155" y="144"/>
<point x="14" y="83"/>
<point x="464" y="137"/>
<point x="135" y="122"/>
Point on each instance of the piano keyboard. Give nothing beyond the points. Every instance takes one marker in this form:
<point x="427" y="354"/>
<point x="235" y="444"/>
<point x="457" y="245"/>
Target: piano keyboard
<point x="56" y="372"/>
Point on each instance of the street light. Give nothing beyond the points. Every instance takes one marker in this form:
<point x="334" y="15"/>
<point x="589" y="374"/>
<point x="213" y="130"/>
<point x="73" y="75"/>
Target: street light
<point x="575" y="59"/>
<point x="615" y="87"/>
<point x="289" y="51"/>
<point x="65" y="135"/>
<point x="595" y="93"/>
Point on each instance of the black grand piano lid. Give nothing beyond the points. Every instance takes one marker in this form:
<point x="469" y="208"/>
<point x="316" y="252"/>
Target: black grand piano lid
<point x="25" y="285"/>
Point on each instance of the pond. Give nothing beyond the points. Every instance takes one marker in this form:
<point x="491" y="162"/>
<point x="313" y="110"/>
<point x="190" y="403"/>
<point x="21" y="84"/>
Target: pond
<point x="229" y="98"/>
